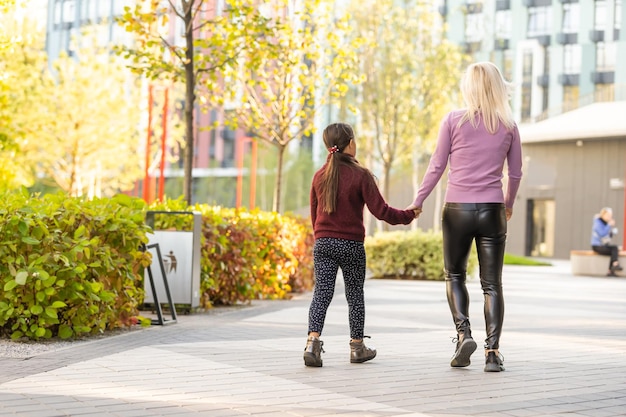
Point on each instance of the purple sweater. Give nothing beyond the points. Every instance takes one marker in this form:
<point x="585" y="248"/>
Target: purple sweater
<point x="476" y="159"/>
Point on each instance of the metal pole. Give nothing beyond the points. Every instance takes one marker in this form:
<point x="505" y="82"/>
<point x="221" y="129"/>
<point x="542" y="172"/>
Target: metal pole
<point x="239" y="155"/>
<point x="163" y="147"/>
<point x="146" y="177"/>
<point x="253" y="175"/>
<point x="623" y="225"/>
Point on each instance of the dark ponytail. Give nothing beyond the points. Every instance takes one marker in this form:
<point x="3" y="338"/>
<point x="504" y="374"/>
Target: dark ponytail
<point x="337" y="137"/>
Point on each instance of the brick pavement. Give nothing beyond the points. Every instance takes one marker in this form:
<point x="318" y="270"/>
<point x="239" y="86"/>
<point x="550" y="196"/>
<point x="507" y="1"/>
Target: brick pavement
<point x="563" y="343"/>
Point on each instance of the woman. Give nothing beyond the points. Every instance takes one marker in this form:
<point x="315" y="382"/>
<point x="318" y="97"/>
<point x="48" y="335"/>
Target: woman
<point x="601" y="234"/>
<point x="476" y="142"/>
<point x="339" y="192"/>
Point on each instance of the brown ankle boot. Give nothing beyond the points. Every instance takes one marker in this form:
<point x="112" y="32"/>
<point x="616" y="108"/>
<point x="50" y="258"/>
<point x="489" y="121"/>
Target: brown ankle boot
<point x="313" y="351"/>
<point x="360" y="353"/>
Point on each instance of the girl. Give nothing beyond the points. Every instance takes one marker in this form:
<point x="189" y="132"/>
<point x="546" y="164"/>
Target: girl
<point x="339" y="192"/>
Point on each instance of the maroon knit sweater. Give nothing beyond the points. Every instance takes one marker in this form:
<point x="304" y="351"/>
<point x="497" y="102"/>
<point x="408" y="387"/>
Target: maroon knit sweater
<point x="357" y="187"/>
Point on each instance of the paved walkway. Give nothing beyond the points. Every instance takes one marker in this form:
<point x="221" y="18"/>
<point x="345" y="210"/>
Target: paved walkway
<point x="564" y="345"/>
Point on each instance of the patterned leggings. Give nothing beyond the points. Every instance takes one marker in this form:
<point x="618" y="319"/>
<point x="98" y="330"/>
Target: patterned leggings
<point x="330" y="254"/>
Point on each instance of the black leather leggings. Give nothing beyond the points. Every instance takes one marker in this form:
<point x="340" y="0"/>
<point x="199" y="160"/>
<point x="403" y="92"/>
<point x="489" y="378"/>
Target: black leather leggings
<point x="485" y="223"/>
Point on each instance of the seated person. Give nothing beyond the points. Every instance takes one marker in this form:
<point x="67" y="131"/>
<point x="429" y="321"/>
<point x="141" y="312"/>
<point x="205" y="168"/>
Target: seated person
<point x="601" y="234"/>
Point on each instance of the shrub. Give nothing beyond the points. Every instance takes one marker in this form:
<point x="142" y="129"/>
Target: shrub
<point x="247" y="255"/>
<point x="69" y="266"/>
<point x="408" y="255"/>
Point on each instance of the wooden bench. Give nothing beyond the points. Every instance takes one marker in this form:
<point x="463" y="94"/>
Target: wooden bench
<point x="587" y="262"/>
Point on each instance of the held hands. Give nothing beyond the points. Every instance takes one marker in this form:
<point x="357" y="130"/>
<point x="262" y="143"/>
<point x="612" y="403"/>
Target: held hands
<point x="416" y="210"/>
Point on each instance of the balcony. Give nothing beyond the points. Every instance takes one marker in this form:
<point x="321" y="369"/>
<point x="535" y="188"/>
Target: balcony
<point x="544" y="40"/>
<point x="569" y="79"/>
<point x="543" y="80"/>
<point x="603" y="77"/>
<point x="503" y="5"/>
<point x="567" y="38"/>
<point x="501" y="44"/>
<point x="228" y="134"/>
<point x="536" y="3"/>
<point x="471" y="47"/>
<point x="472" y="8"/>
<point x="596" y="35"/>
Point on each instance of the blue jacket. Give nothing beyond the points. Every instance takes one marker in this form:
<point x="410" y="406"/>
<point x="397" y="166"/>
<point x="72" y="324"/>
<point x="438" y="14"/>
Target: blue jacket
<point x="600" y="229"/>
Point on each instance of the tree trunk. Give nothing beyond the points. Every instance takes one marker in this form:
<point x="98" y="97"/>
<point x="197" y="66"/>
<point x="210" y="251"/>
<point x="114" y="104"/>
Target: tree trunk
<point x="279" y="178"/>
<point x="190" y="97"/>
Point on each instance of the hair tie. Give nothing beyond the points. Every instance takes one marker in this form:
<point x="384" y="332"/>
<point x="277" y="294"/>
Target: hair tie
<point x="333" y="149"/>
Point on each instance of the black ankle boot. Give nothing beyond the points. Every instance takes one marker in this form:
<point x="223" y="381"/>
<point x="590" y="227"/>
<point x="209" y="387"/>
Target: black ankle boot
<point x="465" y="346"/>
<point x="493" y="361"/>
<point x="313" y="351"/>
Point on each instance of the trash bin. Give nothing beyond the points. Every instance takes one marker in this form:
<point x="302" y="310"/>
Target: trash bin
<point x="180" y="251"/>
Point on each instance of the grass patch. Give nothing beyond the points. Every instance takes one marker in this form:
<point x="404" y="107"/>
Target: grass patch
<point x="521" y="260"/>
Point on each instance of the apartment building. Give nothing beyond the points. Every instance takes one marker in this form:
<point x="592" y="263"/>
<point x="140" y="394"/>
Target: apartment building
<point x="215" y="149"/>
<point x="567" y="60"/>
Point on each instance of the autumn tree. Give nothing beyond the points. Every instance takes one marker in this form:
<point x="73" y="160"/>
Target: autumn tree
<point x="411" y="74"/>
<point x="211" y="40"/>
<point x="22" y="60"/>
<point x="308" y="61"/>
<point x="82" y="130"/>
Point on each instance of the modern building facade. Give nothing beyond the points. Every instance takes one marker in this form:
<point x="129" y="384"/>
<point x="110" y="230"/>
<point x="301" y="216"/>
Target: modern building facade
<point x="567" y="60"/>
<point x="215" y="149"/>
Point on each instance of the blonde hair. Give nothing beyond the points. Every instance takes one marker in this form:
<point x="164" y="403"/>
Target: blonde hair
<point x="486" y="94"/>
<point x="605" y="210"/>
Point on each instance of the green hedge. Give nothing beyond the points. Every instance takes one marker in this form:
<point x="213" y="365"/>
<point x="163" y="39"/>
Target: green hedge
<point x="247" y="255"/>
<point x="69" y="266"/>
<point x="409" y="255"/>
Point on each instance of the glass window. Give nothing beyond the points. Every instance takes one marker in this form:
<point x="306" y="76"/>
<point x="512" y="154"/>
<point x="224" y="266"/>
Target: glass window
<point x="600" y="15"/>
<point x="571" y="93"/>
<point x="527" y="79"/>
<point x="504" y="23"/>
<point x="618" y="14"/>
<point x="507" y="68"/>
<point x="571" y="17"/>
<point x="539" y="20"/>
<point x="572" y="58"/>
<point x="57" y="12"/>
<point x="104" y="9"/>
<point x="606" y="54"/>
<point x="69" y="11"/>
<point x="474" y="24"/>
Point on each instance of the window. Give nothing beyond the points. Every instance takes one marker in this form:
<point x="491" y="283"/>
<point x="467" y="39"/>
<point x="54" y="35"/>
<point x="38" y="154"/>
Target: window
<point x="572" y="58"/>
<point x="527" y="79"/>
<point x="69" y="11"/>
<point x="618" y="14"/>
<point x="507" y="67"/>
<point x="85" y="9"/>
<point x="539" y="21"/>
<point x="474" y="24"/>
<point x="606" y="54"/>
<point x="571" y="94"/>
<point x="571" y="17"/>
<point x="600" y="15"/>
<point x="104" y="9"/>
<point x="504" y="23"/>
<point x="57" y="12"/>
